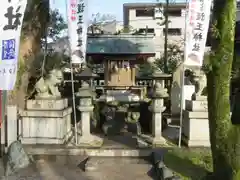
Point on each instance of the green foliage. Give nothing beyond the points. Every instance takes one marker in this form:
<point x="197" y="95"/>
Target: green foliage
<point x="175" y="57"/>
<point x="56" y="24"/>
<point x="145" y="69"/>
<point x="54" y="60"/>
<point x="126" y="30"/>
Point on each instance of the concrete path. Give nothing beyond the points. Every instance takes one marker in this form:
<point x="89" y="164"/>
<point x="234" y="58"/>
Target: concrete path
<point x="43" y="170"/>
<point x="62" y="168"/>
<point x="110" y="169"/>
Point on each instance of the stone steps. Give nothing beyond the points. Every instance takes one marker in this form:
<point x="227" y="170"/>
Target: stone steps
<point x="48" y="150"/>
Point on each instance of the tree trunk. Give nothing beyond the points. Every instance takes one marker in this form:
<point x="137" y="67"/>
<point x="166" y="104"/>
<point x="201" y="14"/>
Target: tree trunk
<point x="34" y="28"/>
<point x="224" y="136"/>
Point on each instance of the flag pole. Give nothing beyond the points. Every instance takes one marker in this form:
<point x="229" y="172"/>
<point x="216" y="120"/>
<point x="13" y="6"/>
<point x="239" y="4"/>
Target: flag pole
<point x="183" y="78"/>
<point x="73" y="87"/>
<point x="4" y="119"/>
<point x="3" y="104"/>
<point x="1" y="124"/>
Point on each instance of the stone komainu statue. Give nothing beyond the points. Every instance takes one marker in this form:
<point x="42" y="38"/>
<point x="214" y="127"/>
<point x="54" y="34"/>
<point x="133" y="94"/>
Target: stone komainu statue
<point x="200" y="82"/>
<point x="198" y="79"/>
<point x="48" y="87"/>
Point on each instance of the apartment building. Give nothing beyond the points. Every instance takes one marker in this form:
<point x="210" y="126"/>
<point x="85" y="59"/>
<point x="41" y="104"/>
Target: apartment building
<point x="146" y="18"/>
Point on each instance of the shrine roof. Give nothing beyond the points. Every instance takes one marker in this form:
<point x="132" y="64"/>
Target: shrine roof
<point x="120" y="44"/>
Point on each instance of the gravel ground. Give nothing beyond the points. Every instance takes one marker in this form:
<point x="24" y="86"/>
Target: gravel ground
<point x="62" y="168"/>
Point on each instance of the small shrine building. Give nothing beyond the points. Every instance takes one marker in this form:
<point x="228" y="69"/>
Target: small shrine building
<point x="118" y="55"/>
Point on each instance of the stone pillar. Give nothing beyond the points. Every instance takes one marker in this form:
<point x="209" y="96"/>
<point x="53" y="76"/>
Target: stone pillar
<point x="12" y="124"/>
<point x="157" y="107"/>
<point x="85" y="138"/>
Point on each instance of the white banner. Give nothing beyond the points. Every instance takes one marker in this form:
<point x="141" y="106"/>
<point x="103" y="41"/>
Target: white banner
<point x="11" y="18"/>
<point x="77" y="28"/>
<point x="196" y="31"/>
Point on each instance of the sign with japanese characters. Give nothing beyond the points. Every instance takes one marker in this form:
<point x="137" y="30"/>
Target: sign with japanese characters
<point x="77" y="28"/>
<point x="11" y="15"/>
<point x="198" y="17"/>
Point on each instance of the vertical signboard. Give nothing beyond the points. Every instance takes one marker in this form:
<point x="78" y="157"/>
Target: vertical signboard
<point x="11" y="18"/>
<point x="196" y="31"/>
<point x="77" y="28"/>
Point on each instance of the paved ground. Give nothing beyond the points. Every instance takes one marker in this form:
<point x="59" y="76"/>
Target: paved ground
<point x="121" y="169"/>
<point x="66" y="168"/>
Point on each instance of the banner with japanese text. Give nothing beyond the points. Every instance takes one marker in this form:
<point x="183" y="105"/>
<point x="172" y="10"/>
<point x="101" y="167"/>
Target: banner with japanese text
<point x="11" y="15"/>
<point x="198" y="16"/>
<point x="77" y="28"/>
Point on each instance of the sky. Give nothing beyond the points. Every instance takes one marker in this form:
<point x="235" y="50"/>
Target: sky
<point x="113" y="7"/>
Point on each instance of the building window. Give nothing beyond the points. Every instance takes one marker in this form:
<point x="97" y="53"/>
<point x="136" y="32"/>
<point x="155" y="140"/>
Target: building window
<point x="144" y="12"/>
<point x="173" y="31"/>
<point x="175" y="13"/>
<point x="143" y="30"/>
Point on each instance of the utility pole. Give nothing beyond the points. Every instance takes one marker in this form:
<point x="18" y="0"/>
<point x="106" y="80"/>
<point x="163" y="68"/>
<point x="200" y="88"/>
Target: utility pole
<point x="166" y="37"/>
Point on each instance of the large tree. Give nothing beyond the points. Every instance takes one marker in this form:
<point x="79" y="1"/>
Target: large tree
<point x="39" y="22"/>
<point x="224" y="136"/>
<point x="34" y="28"/>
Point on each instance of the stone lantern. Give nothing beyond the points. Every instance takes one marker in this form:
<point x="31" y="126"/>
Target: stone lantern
<point x="157" y="107"/>
<point x="87" y="75"/>
<point x="159" y="76"/>
<point x="85" y="95"/>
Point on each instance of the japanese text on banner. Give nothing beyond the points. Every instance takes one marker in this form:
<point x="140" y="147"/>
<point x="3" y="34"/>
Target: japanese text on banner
<point x="77" y="24"/>
<point x="196" y="31"/>
<point x="10" y="30"/>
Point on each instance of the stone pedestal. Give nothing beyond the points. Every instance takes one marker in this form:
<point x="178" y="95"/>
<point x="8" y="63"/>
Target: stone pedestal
<point x="176" y="98"/>
<point x="46" y="121"/>
<point x="195" y="122"/>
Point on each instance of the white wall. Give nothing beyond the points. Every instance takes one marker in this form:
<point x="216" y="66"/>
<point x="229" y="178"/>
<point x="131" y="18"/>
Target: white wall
<point x="142" y="22"/>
